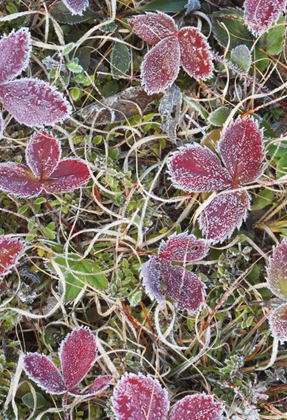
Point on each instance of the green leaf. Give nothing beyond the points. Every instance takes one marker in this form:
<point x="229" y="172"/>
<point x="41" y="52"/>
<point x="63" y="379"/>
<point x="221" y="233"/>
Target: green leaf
<point x="75" y="93"/>
<point x="68" y="48"/>
<point x="170" y="6"/>
<point x="28" y="400"/>
<point x="273" y="41"/>
<point x="135" y="298"/>
<point x="263" y="199"/>
<point x="282" y="166"/>
<point x="219" y="116"/>
<point x="79" y="272"/>
<point x="120" y="60"/>
<point x="62" y="14"/>
<point x="241" y="57"/>
<point x="74" y="66"/>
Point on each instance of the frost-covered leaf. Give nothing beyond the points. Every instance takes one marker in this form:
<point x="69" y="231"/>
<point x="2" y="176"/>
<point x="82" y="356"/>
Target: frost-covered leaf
<point x="196" y="59"/>
<point x="120" y="60"/>
<point x="197" y="406"/>
<point x="34" y="102"/>
<point x="219" y="116"/>
<point x="278" y="322"/>
<point x="195" y="168"/>
<point x="19" y="180"/>
<point x="150" y="273"/>
<point x="241" y="57"/>
<point x="40" y="369"/>
<point x="192" y="5"/>
<point x="11" y="249"/>
<point x="153" y="27"/>
<point x="69" y="175"/>
<point x="261" y="14"/>
<point x="1" y="126"/>
<point x="169" y="109"/>
<point x="99" y="385"/>
<point x="241" y="150"/>
<point x="15" y="52"/>
<point x="77" y="7"/>
<point x="184" y="287"/>
<point x="223" y="214"/>
<point x="43" y="153"/>
<point x="77" y="355"/>
<point x="161" y="65"/>
<point x="138" y="397"/>
<point x="183" y="248"/>
<point x="277" y="271"/>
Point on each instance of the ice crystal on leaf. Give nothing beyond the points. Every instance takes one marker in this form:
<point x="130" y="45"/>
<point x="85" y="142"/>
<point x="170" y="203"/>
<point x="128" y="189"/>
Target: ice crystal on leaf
<point x="77" y="7"/>
<point x="29" y="101"/>
<point x="261" y="14"/>
<point x="184" y="287"/>
<point x="173" y="47"/>
<point x="195" y="168"/>
<point x="277" y="282"/>
<point x="11" y="249"/>
<point x="45" y="170"/>
<point x="138" y="397"/>
<point x="77" y="356"/>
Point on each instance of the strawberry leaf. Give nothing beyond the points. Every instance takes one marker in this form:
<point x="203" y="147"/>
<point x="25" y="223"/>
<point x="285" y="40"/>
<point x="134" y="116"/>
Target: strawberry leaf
<point x="184" y="287"/>
<point x="261" y="14"/>
<point x="196" y="59"/>
<point x="161" y="65"/>
<point x="150" y="273"/>
<point x="278" y="322"/>
<point x="242" y="151"/>
<point x="33" y="102"/>
<point x="77" y="355"/>
<point x="77" y="7"/>
<point x="43" y="153"/>
<point x="183" y="248"/>
<point x="223" y="214"/>
<point x="153" y="27"/>
<point x="99" y="385"/>
<point x="69" y="175"/>
<point x="197" y="169"/>
<point x="15" y="52"/>
<point x="202" y="407"/>
<point x="11" y="249"/>
<point x="39" y="368"/>
<point x="19" y="180"/>
<point x="277" y="271"/>
<point x="137" y="397"/>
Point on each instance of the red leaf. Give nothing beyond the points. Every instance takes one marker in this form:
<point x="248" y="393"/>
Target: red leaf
<point x="195" y="53"/>
<point x="242" y="151"/>
<point x="153" y="27"/>
<point x="19" y="180"/>
<point x="260" y="14"/>
<point x="99" y="385"/>
<point x="34" y="102"/>
<point x="11" y="249"/>
<point x="68" y="175"/>
<point x="161" y="65"/>
<point x="39" y="368"/>
<point x="137" y="397"/>
<point x="278" y="322"/>
<point x="277" y="271"/>
<point x="150" y="273"/>
<point x="197" y="169"/>
<point x="77" y="355"/>
<point x="223" y="214"/>
<point x="184" y="287"/>
<point x="43" y="153"/>
<point x="77" y="7"/>
<point x="183" y="248"/>
<point x="197" y="407"/>
<point x="15" y="52"/>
